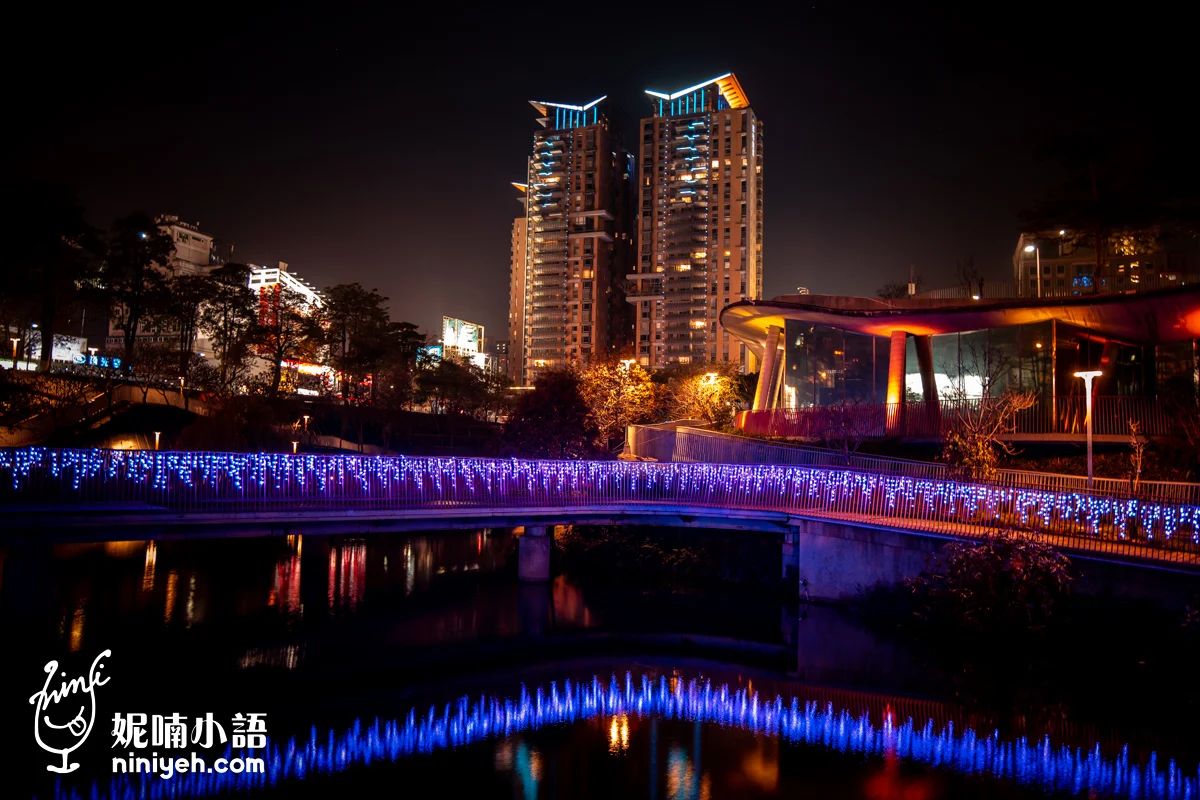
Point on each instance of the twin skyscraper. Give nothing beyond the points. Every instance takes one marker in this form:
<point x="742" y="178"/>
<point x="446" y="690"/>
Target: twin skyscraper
<point x="634" y="250"/>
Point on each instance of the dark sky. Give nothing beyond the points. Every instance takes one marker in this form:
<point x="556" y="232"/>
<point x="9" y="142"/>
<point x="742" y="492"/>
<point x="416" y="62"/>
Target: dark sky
<point x="377" y="146"/>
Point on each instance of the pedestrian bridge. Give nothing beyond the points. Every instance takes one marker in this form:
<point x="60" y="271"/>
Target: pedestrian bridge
<point x="876" y="516"/>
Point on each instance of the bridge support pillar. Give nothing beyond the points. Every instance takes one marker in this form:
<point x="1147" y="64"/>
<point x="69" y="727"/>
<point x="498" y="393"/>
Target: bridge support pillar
<point x="791" y="556"/>
<point x="533" y="554"/>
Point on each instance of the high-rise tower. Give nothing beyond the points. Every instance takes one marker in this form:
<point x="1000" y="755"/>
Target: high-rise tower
<point x="518" y="253"/>
<point x="701" y="215"/>
<point x="578" y="241"/>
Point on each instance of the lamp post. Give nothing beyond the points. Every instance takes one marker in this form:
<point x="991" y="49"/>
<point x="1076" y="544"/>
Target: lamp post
<point x="1088" y="376"/>
<point x="294" y="444"/>
<point x="1037" y="255"/>
<point x="15" y="341"/>
<point x="156" y="435"/>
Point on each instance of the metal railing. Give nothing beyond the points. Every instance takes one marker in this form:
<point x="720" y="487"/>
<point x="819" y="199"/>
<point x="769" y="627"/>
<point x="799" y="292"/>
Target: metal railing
<point x="703" y="446"/>
<point x="41" y="480"/>
<point x="1048" y="416"/>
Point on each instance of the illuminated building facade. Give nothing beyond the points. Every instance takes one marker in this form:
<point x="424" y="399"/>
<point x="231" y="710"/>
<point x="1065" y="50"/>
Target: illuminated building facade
<point x="578" y="241"/>
<point x="195" y="252"/>
<point x="303" y="377"/>
<point x="265" y="278"/>
<point x="518" y="252"/>
<point x="1063" y="263"/>
<point x="700" y="237"/>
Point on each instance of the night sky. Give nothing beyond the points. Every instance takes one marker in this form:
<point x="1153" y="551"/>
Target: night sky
<point x="378" y="146"/>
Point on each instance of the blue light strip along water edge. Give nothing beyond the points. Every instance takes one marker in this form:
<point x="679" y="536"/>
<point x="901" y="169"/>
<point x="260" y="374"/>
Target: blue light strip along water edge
<point x="1038" y="764"/>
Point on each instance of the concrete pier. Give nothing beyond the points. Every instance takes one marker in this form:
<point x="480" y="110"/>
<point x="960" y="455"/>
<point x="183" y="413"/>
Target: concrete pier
<point x="791" y="552"/>
<point x="533" y="554"/>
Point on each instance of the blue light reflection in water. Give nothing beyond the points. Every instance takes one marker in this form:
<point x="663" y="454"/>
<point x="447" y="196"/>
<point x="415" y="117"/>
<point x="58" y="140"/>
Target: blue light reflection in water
<point x="1037" y="764"/>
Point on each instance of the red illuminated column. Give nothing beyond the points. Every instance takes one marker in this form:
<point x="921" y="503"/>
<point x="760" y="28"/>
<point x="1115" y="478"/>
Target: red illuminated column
<point x="895" y="384"/>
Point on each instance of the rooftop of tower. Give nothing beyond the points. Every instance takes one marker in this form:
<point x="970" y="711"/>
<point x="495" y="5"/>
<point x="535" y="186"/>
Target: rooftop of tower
<point x="727" y="85"/>
<point x="543" y="107"/>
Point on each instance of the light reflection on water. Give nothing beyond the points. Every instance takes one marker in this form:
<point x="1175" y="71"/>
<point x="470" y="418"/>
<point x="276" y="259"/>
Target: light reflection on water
<point x="1039" y="764"/>
<point x="143" y="586"/>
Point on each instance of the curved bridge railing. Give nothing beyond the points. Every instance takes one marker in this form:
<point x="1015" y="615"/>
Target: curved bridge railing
<point x="178" y="484"/>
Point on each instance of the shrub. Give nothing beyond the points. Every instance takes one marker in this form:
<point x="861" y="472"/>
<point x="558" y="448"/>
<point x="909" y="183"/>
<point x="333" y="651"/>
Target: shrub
<point x="1008" y="580"/>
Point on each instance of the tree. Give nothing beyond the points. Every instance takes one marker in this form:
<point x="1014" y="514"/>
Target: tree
<point x="229" y="314"/>
<point x="892" y="291"/>
<point x="393" y="384"/>
<point x="1109" y="191"/>
<point x="134" y="275"/>
<point x="969" y="278"/>
<point x="972" y="444"/>
<point x="1137" y="454"/>
<point x="359" y="335"/>
<point x="180" y="312"/>
<point x="711" y="392"/>
<point x="552" y="421"/>
<point x="157" y="367"/>
<point x="286" y="328"/>
<point x="844" y="425"/>
<point x="49" y="254"/>
<point x="455" y="387"/>
<point x="618" y="394"/>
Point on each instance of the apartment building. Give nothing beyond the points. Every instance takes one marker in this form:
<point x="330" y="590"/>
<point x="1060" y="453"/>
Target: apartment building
<point x="700" y="223"/>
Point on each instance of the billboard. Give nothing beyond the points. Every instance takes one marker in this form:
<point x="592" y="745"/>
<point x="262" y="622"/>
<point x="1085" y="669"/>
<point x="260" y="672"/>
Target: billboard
<point x="430" y="354"/>
<point x="464" y="337"/>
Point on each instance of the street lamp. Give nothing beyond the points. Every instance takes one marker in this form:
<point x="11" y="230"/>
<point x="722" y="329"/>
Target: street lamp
<point x="1087" y="420"/>
<point x="627" y="363"/>
<point x="15" y="341"/>
<point x="294" y="443"/>
<point x="1037" y="254"/>
<point x="156" y="435"/>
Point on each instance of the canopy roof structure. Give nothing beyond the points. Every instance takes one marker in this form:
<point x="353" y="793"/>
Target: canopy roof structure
<point x="1160" y="317"/>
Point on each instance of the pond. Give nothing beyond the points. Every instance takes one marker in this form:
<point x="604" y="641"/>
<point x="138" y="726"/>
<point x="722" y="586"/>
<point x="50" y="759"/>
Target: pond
<point x="401" y="662"/>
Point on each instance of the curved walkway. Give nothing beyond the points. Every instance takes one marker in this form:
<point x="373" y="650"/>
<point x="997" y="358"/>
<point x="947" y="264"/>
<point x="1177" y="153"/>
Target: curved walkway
<point x="40" y="487"/>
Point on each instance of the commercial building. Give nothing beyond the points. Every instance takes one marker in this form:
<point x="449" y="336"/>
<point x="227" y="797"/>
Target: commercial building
<point x="578" y="241"/>
<point x="700" y="233"/>
<point x="1062" y="263"/>
<point x="906" y="366"/>
<point x="305" y="376"/>
<point x="265" y="278"/>
<point x="196" y="253"/>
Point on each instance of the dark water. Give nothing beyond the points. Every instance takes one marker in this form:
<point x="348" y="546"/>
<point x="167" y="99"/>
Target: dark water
<point x="346" y="644"/>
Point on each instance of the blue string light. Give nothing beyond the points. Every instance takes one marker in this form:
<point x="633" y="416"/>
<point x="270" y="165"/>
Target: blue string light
<point x="220" y="481"/>
<point x="1038" y="764"/>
